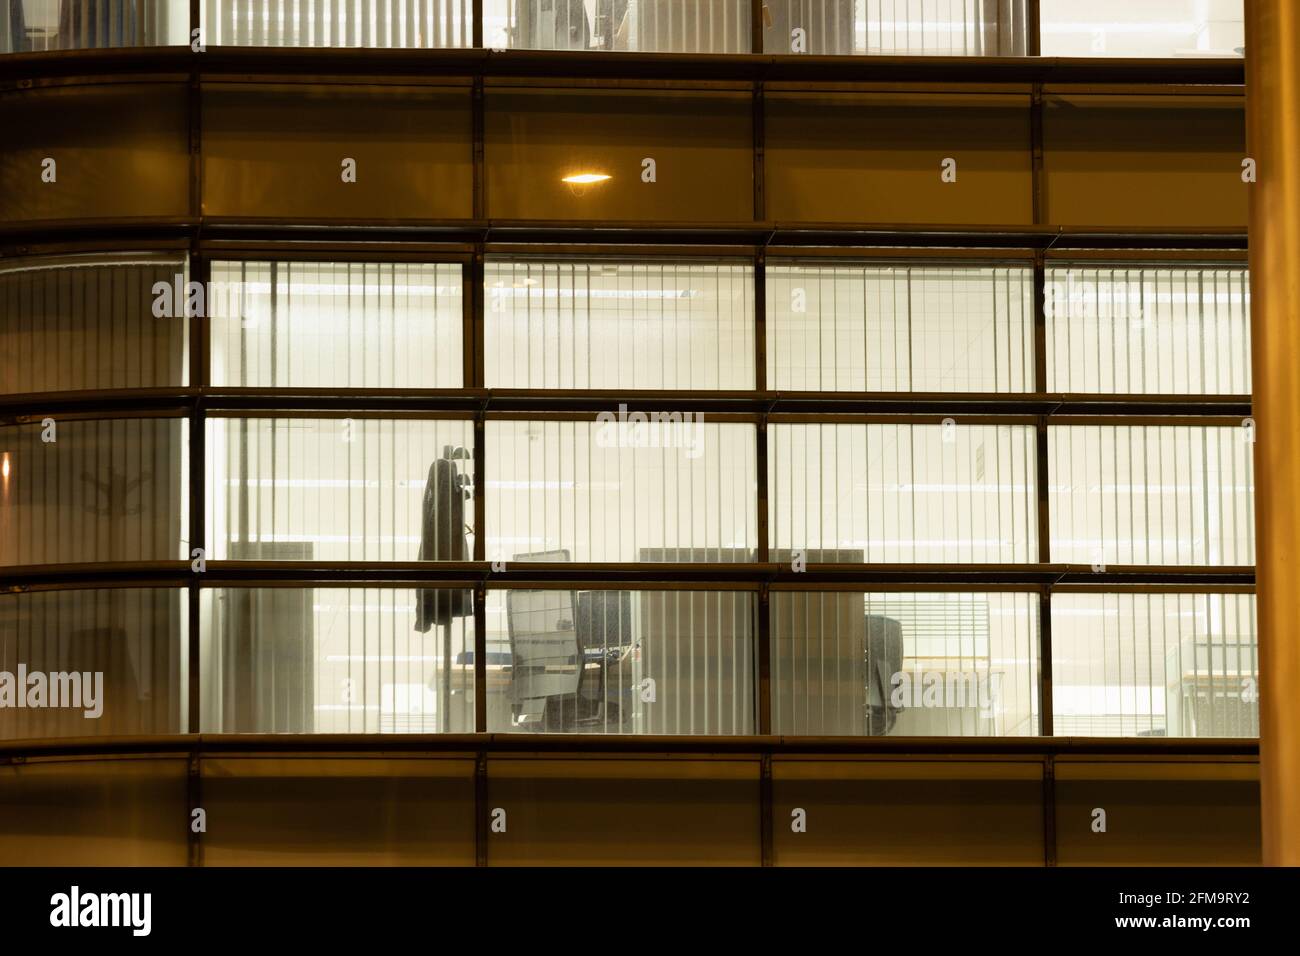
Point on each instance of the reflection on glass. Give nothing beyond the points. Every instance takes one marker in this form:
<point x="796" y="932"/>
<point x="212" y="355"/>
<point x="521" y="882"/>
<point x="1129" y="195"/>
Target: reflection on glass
<point x="904" y="664"/>
<point x="619" y="325"/>
<point x="622" y="489"/>
<point x="422" y="24"/>
<point x="896" y="27"/>
<point x="92" y="322"/>
<point x="904" y="493"/>
<point x="345" y="325"/>
<point x="93" y="490"/>
<point x="621" y="662"/>
<point x="337" y="660"/>
<point x="1164" y="330"/>
<point x="104" y="661"/>
<point x="35" y="25"/>
<point x="1157" y="494"/>
<point x="339" y="489"/>
<point x="899" y="328"/>
<point x="1146" y="28"/>
<point x="643" y="26"/>
<point x="1155" y="665"/>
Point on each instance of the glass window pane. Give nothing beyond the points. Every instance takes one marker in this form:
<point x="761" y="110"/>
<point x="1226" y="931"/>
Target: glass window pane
<point x="1159" y="494"/>
<point x="903" y="493"/>
<point x="899" y="328"/>
<point x="36" y="25"/>
<point x="621" y="489"/>
<point x="640" y="26"/>
<point x="339" y="489"/>
<point x="619" y="325"/>
<point x="93" y="490"/>
<point x="1166" y="330"/>
<point x="896" y="27"/>
<point x="904" y="665"/>
<point x="329" y="324"/>
<point x="1155" y="665"/>
<point x="421" y="24"/>
<point x="93" y="322"/>
<point x="86" y="663"/>
<point x="336" y="660"/>
<point x="1143" y="28"/>
<point x="621" y="662"/>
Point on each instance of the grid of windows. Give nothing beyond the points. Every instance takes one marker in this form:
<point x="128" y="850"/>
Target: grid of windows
<point x="1165" y="28"/>
<point x="568" y="501"/>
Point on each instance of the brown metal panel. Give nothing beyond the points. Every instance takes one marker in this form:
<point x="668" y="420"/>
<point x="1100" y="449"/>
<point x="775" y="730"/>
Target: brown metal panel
<point x="701" y="144"/>
<point x="908" y="812"/>
<point x="1111" y="160"/>
<point x="322" y="811"/>
<point x="278" y="151"/>
<point x="613" y="812"/>
<point x="877" y="158"/>
<point x="121" y="150"/>
<point x="1158" y="813"/>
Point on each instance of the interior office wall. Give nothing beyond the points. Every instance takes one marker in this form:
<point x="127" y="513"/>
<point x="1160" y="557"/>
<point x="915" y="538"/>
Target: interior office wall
<point x="114" y="662"/>
<point x="279" y="150"/>
<point x="336" y="324"/>
<point x="102" y="490"/>
<point x="88" y="322"/>
<point x="1151" y="494"/>
<point x="896" y="27"/>
<point x="859" y="327"/>
<point x="120" y="150"/>
<point x="1169" y="330"/>
<point x="700" y="143"/>
<point x="911" y="493"/>
<point x="607" y="324"/>
<point x="1155" y="665"/>
<point x="327" y="489"/>
<point x="878" y="157"/>
<point x="28" y="26"/>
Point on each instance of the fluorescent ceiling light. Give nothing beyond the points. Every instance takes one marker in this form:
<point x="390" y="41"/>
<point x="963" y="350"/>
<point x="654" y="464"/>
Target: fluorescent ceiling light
<point x="582" y="179"/>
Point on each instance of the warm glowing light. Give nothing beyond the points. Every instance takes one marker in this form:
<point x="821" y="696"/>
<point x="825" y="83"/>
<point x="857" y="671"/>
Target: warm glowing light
<point x="4" y="467"/>
<point x="582" y="179"/>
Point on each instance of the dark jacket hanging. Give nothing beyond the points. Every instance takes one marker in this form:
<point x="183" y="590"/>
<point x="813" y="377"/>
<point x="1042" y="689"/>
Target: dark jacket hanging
<point x="442" y="538"/>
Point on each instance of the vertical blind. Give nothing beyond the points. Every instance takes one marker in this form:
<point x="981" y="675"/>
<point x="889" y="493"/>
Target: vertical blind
<point x="619" y="325"/>
<point x="1151" y="494"/>
<point x="1155" y="665"/>
<point x="897" y="27"/>
<point x="104" y="490"/>
<point x="904" y="493"/>
<point x="88" y="322"/>
<point x="1172" y="331"/>
<point x="899" y="328"/>
<point x="331" y="489"/>
<point x="904" y="664"/>
<point x="332" y="660"/>
<point x="338" y="23"/>
<point x="621" y="492"/>
<point x="134" y="639"/>
<point x="329" y="324"/>
<point x="37" y="25"/>
<point x="642" y="26"/>
<point x="626" y="662"/>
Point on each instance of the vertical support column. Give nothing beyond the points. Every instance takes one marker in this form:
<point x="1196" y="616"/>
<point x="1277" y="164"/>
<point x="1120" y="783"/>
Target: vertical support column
<point x="200" y="271"/>
<point x="756" y="26"/>
<point x="1273" y="142"/>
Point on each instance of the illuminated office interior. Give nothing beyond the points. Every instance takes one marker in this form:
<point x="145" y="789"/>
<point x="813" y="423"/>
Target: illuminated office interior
<point x="646" y="417"/>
